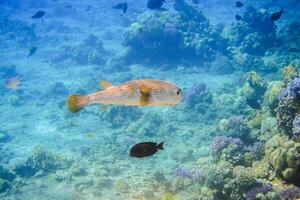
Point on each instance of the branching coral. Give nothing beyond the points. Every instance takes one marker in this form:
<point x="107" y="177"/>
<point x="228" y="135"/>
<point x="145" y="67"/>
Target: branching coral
<point x="272" y="94"/>
<point x="288" y="107"/>
<point x="257" y="191"/>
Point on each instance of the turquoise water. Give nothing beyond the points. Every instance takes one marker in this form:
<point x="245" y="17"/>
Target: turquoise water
<point x="234" y="136"/>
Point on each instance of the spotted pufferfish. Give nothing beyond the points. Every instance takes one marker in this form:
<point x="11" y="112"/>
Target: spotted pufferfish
<point x="143" y="92"/>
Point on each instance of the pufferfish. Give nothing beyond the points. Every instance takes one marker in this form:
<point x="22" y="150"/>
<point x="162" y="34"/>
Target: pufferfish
<point x="143" y="92"/>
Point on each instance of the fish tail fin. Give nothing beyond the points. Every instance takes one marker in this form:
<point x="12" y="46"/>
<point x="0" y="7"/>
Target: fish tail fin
<point x="160" y="146"/>
<point x="76" y="102"/>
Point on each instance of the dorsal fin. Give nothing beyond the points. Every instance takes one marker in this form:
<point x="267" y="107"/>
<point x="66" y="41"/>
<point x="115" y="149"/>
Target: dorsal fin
<point x="104" y="84"/>
<point x="145" y="95"/>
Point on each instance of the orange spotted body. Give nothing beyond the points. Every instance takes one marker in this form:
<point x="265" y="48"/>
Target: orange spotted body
<point x="132" y="93"/>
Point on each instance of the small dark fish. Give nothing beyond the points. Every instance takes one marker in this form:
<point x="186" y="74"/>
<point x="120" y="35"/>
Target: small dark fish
<point x="253" y="103"/>
<point x="145" y="149"/>
<point x="38" y="14"/>
<point x="32" y="51"/>
<point x="155" y="4"/>
<point x="238" y="17"/>
<point x="121" y="6"/>
<point x="239" y="4"/>
<point x="276" y="15"/>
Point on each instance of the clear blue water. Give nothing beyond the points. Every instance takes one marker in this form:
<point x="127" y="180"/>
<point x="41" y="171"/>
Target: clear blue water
<point x="220" y="141"/>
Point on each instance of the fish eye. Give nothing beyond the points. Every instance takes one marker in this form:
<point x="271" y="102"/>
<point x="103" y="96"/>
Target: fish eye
<point x="178" y="91"/>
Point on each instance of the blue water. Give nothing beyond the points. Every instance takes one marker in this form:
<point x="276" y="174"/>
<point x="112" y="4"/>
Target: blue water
<point x="234" y="136"/>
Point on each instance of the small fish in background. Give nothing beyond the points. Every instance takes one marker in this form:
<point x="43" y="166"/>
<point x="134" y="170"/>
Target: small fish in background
<point x="238" y="17"/>
<point x="145" y="149"/>
<point x="276" y="15"/>
<point x="121" y="6"/>
<point x="239" y="4"/>
<point x="13" y="82"/>
<point x="38" y="15"/>
<point x="89" y="135"/>
<point x="144" y="92"/>
<point x="32" y="51"/>
<point x="155" y="4"/>
<point x="253" y="103"/>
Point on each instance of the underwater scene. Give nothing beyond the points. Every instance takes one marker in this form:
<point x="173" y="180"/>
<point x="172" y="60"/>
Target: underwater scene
<point x="149" y="100"/>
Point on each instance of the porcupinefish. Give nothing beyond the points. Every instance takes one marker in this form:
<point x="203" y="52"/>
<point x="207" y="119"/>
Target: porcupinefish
<point x="143" y="92"/>
<point x="145" y="149"/>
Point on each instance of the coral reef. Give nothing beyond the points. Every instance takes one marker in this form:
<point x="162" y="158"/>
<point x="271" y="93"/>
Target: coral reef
<point x="283" y="155"/>
<point x="167" y="38"/>
<point x="40" y="163"/>
<point x="257" y="192"/>
<point x="198" y="97"/>
<point x="289" y="193"/>
<point x="288" y="106"/>
<point x="235" y="126"/>
<point x="89" y="52"/>
<point x="272" y="94"/>
<point x="289" y="45"/>
<point x="228" y="149"/>
<point x="254" y="35"/>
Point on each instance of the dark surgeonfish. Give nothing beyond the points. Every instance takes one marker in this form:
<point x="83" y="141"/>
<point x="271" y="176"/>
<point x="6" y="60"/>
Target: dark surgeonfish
<point x="239" y="4"/>
<point x="121" y="6"/>
<point x="155" y="4"/>
<point x="276" y="15"/>
<point x="38" y="14"/>
<point x="32" y="51"/>
<point x="145" y="149"/>
<point x="238" y="17"/>
<point x="253" y="103"/>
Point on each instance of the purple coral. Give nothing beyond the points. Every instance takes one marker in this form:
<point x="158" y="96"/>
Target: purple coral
<point x="289" y="193"/>
<point x="296" y="126"/>
<point x="237" y="127"/>
<point x="182" y="172"/>
<point x="198" y="175"/>
<point x="292" y="91"/>
<point x="251" y="195"/>
<point x="221" y="142"/>
<point x="193" y="91"/>
<point x="257" y="150"/>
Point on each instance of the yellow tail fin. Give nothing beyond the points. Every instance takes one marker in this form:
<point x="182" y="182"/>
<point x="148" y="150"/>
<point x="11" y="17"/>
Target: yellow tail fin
<point x="76" y="101"/>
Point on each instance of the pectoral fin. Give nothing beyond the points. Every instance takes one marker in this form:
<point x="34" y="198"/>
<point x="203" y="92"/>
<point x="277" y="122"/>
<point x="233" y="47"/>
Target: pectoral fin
<point x="145" y="95"/>
<point x="105" y="84"/>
